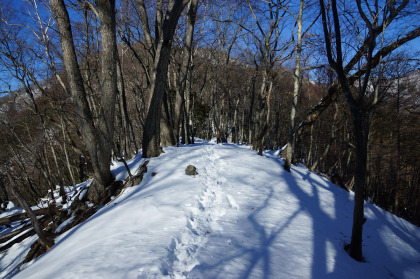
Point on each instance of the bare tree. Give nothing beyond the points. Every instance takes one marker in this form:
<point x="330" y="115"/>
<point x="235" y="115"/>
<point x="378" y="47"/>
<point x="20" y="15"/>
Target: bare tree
<point x="98" y="136"/>
<point x="271" y="53"/>
<point x="227" y="17"/>
<point x="185" y="69"/>
<point x="355" y="87"/>
<point x="296" y="87"/>
<point x="164" y="32"/>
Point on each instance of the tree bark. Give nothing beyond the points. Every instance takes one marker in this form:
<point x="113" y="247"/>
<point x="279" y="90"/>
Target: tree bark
<point x="151" y="134"/>
<point x="296" y="86"/>
<point x="360" y="106"/>
<point x="360" y="184"/>
<point x="98" y="138"/>
<point x="185" y="68"/>
<point x="128" y="126"/>
<point x="167" y="135"/>
<point x="63" y="130"/>
<point x="251" y="109"/>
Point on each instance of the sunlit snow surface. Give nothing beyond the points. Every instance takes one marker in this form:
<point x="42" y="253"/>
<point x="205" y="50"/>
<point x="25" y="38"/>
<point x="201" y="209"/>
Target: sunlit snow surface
<point x="242" y="216"/>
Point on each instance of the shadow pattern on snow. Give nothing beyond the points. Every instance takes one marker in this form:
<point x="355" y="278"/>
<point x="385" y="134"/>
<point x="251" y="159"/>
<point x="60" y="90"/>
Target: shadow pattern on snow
<point x="254" y="251"/>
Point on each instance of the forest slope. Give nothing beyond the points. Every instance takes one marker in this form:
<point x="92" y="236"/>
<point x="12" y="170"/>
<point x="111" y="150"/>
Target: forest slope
<point x="242" y="216"/>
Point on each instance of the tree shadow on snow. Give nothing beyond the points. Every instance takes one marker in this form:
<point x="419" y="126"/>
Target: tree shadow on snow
<point x="255" y="254"/>
<point x="319" y="220"/>
<point x="331" y="234"/>
<point x="326" y="239"/>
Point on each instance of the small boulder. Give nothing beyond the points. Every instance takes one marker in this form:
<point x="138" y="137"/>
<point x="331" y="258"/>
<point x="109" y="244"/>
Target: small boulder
<point x="191" y="170"/>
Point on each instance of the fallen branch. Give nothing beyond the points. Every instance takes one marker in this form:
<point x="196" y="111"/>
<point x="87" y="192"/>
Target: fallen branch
<point x="43" y="238"/>
<point x="18" y="239"/>
<point x="7" y="236"/>
<point x="21" y="216"/>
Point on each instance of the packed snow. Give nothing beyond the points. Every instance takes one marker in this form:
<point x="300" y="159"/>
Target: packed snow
<point x="241" y="216"/>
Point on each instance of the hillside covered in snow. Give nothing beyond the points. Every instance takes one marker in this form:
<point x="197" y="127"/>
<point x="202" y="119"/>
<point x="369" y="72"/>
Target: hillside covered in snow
<point x="241" y="216"/>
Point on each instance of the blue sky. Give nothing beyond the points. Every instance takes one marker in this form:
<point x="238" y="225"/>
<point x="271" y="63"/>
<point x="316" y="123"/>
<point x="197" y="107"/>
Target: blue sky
<point x="21" y="9"/>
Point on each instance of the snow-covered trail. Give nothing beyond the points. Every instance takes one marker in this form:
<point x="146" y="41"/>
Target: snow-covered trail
<point x="210" y="205"/>
<point x="242" y="216"/>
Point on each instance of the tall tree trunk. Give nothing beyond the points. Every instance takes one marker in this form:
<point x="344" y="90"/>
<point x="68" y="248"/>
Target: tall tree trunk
<point x="261" y="111"/>
<point x="192" y="118"/>
<point x="264" y="114"/>
<point x="166" y="127"/>
<point x="251" y="109"/>
<point x="185" y="122"/>
<point x="309" y="158"/>
<point x="151" y="133"/>
<point x="360" y="136"/>
<point x="296" y="86"/>
<point x="185" y="69"/>
<point x="124" y="110"/>
<point x="63" y="130"/>
<point x="98" y="138"/>
<point x="398" y="155"/>
<point x="241" y="139"/>
<point x="108" y="81"/>
<point x="234" y="130"/>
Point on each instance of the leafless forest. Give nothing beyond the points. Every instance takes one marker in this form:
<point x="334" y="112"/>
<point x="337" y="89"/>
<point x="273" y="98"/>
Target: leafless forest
<point x="335" y="84"/>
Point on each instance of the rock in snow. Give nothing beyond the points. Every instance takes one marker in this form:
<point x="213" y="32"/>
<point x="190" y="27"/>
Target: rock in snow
<point x="191" y="170"/>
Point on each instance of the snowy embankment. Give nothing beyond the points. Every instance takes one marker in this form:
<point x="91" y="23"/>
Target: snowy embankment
<point x="242" y="216"/>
